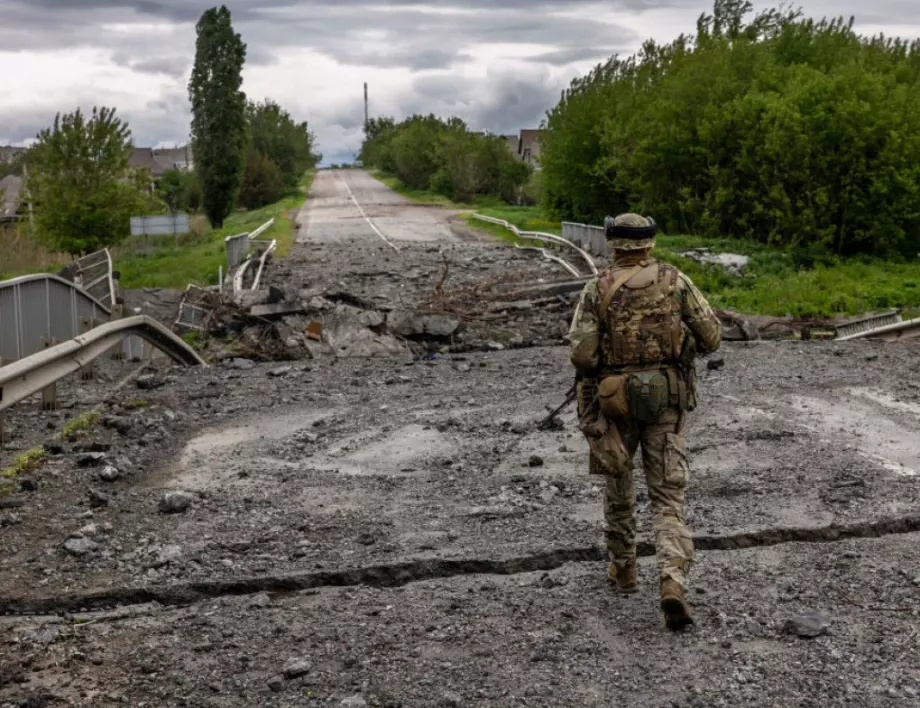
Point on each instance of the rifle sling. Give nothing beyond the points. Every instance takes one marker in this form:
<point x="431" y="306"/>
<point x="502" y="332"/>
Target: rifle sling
<point x="617" y="284"/>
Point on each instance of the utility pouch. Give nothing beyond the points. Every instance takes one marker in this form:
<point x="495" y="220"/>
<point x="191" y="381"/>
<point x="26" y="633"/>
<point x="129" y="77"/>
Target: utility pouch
<point x="649" y="395"/>
<point x="614" y="401"/>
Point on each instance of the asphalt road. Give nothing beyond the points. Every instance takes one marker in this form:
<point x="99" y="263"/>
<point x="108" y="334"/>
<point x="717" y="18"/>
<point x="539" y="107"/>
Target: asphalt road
<point x="350" y="206"/>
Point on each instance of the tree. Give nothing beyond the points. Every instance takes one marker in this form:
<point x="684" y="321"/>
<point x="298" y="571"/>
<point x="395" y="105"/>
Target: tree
<point x="776" y="128"/>
<point x="263" y="182"/>
<point x="289" y="145"/>
<point x="82" y="187"/>
<point x="175" y="188"/>
<point x="219" y="127"/>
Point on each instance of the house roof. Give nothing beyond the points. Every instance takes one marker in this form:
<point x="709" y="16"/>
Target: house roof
<point x="10" y="189"/>
<point x="143" y="158"/>
<point x="160" y="160"/>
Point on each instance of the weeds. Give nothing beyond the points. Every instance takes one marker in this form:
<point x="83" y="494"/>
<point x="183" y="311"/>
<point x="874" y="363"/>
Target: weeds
<point x="23" y="255"/>
<point x="25" y="463"/>
<point x="78" y="425"/>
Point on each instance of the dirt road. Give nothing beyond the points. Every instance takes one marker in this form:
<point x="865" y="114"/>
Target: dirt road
<point x="396" y="530"/>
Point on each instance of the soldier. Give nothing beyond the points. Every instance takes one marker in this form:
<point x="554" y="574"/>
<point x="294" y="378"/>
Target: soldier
<point x="634" y="337"/>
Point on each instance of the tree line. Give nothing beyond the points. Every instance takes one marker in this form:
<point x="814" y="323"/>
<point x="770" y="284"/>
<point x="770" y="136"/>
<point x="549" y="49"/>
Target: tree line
<point x="428" y="153"/>
<point x="774" y="127"/>
<point x="83" y="189"/>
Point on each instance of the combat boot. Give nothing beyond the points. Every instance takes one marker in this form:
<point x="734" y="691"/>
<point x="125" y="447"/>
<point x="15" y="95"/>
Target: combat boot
<point x="623" y="576"/>
<point x="677" y="613"/>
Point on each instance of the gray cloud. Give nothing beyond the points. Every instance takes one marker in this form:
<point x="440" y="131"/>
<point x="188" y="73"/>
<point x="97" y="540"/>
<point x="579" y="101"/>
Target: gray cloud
<point x="419" y="36"/>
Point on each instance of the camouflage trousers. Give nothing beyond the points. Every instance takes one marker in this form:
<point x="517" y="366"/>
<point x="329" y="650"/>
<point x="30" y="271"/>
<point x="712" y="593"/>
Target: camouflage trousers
<point x="664" y="460"/>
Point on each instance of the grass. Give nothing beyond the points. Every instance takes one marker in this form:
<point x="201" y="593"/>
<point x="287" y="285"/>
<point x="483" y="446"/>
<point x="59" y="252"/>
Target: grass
<point x="23" y="464"/>
<point x="24" y="256"/>
<point x="799" y="283"/>
<point x="78" y="425"/>
<point x="195" y="259"/>
<point x="198" y="262"/>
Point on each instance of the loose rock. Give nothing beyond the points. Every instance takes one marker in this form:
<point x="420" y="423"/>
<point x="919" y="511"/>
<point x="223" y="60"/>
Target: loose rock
<point x="296" y="668"/>
<point x="109" y="474"/>
<point x="91" y="459"/>
<point x="97" y="499"/>
<point x="808" y="625"/>
<point x="175" y="502"/>
<point x="80" y="546"/>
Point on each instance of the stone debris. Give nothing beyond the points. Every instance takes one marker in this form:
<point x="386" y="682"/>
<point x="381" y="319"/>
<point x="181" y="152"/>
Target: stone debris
<point x="296" y="668"/>
<point x="80" y="546"/>
<point x="175" y="502"/>
<point x="109" y="473"/>
<point x="808" y="625"/>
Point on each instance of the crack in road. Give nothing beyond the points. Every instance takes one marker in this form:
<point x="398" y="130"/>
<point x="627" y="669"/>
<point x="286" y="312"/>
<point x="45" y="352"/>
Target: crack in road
<point x="403" y="573"/>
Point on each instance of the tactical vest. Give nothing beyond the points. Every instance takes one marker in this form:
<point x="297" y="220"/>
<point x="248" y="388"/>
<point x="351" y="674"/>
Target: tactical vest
<point x="642" y="324"/>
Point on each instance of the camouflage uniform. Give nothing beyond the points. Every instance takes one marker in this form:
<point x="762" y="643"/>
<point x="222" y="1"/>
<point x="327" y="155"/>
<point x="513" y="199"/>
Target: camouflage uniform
<point x="643" y="330"/>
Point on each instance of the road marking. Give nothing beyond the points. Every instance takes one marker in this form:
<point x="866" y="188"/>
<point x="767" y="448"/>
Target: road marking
<point x="366" y="218"/>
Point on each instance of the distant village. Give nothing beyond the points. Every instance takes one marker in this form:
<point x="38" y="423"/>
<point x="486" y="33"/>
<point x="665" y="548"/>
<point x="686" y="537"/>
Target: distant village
<point x="157" y="161"/>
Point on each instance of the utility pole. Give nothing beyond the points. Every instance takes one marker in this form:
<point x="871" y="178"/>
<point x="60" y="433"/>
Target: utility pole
<point x="365" y="107"/>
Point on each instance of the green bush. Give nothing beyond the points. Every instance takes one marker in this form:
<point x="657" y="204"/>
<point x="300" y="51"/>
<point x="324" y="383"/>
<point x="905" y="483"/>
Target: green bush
<point x="783" y="130"/>
<point x="430" y="154"/>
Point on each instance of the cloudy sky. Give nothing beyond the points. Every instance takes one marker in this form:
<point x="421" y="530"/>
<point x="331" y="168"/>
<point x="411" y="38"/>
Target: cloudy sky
<point x="499" y="64"/>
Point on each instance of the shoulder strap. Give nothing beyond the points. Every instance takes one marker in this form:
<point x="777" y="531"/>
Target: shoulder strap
<point x="617" y="284"/>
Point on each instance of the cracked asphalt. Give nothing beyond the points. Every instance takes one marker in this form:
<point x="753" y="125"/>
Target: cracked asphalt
<point x="397" y="531"/>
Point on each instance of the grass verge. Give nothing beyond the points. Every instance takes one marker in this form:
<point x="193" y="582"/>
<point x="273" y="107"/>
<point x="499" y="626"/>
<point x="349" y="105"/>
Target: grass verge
<point x="803" y="284"/>
<point x="23" y="255"/>
<point x="198" y="262"/>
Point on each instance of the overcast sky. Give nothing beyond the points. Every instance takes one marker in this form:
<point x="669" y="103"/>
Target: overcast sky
<point x="499" y="64"/>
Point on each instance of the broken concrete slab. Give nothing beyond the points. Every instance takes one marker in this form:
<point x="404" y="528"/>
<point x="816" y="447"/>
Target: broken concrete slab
<point x="734" y="263"/>
<point x="278" y="309"/>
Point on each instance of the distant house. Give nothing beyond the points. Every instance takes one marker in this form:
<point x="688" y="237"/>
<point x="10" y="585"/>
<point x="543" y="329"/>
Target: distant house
<point x="158" y="161"/>
<point x="529" y="148"/>
<point x="526" y="146"/>
<point x="10" y="192"/>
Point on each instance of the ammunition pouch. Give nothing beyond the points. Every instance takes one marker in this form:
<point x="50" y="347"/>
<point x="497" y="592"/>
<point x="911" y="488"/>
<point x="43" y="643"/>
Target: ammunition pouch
<point x="649" y="393"/>
<point x="613" y="396"/>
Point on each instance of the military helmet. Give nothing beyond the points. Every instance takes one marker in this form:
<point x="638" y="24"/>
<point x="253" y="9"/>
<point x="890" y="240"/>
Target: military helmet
<point x="630" y="232"/>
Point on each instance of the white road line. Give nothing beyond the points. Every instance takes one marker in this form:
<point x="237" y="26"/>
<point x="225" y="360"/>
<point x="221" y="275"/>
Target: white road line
<point x="366" y="218"/>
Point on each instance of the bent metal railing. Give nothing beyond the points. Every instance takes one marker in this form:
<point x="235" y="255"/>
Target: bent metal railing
<point x="37" y="311"/>
<point x="540" y="236"/>
<point x="37" y="372"/>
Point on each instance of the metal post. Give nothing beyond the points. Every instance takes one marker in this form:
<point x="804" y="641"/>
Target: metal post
<point x="86" y="372"/>
<point x="118" y="351"/>
<point x="49" y="393"/>
<point x="4" y="433"/>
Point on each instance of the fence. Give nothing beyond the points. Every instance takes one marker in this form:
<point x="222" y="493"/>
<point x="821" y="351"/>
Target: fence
<point x="37" y="311"/>
<point x="237" y="250"/>
<point x="238" y="246"/>
<point x="150" y="233"/>
<point x="591" y="238"/>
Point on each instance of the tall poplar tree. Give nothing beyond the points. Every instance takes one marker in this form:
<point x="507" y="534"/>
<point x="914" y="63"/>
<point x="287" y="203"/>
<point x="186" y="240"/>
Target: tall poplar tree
<point x="219" y="126"/>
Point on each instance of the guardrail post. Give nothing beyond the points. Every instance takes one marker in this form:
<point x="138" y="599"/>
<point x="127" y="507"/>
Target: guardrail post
<point x="118" y="351"/>
<point x="49" y="393"/>
<point x="4" y="433"/>
<point x="87" y="372"/>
